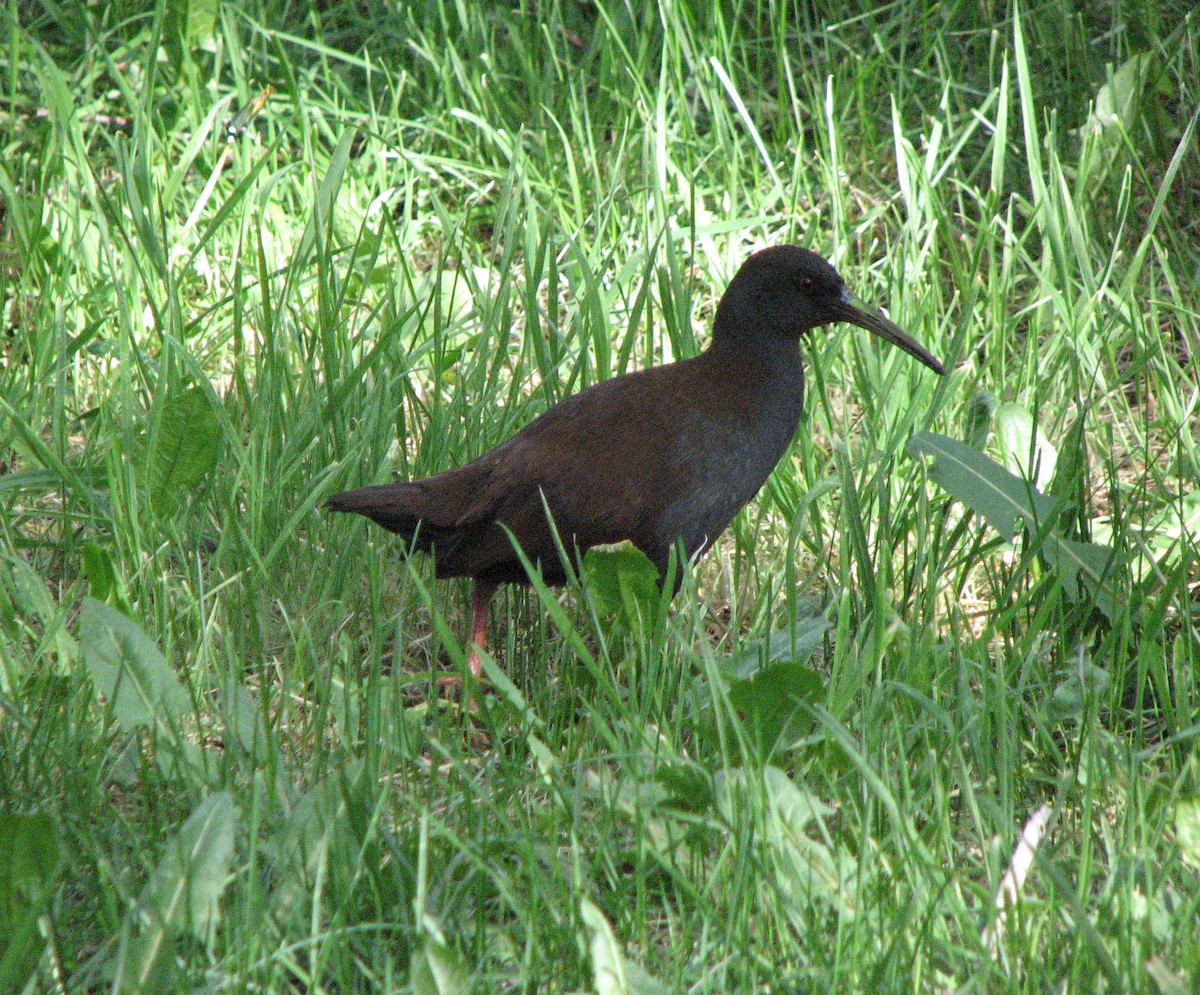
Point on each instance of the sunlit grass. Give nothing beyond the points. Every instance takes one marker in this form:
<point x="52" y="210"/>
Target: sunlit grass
<point x="445" y="219"/>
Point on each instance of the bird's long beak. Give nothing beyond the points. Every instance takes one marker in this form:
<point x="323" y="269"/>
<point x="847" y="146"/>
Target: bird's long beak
<point x="851" y="309"/>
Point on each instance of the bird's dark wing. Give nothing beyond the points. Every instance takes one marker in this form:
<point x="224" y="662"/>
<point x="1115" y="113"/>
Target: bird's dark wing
<point x="608" y="463"/>
<point x="603" y="462"/>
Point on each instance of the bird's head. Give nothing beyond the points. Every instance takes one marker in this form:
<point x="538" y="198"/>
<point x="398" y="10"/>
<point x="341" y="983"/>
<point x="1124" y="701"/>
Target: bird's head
<point x="786" y="291"/>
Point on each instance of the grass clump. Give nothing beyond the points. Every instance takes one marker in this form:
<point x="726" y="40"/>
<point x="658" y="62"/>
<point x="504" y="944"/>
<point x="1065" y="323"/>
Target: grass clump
<point x="223" y="761"/>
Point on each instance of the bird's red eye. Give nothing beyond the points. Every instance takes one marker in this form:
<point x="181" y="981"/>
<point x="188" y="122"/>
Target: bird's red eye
<point x="806" y="283"/>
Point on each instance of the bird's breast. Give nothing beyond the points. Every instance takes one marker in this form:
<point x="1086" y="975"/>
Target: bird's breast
<point x="721" y="463"/>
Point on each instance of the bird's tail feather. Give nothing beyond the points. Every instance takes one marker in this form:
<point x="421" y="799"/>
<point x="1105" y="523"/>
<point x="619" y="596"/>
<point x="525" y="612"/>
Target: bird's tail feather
<point x="394" y="506"/>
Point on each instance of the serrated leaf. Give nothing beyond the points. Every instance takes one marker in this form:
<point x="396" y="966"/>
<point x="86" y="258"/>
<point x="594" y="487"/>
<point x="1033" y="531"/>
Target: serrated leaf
<point x="795" y="805"/>
<point x="128" y="669"/>
<point x="185" y="447"/>
<point x="780" y="796"/>
<point x="802" y="867"/>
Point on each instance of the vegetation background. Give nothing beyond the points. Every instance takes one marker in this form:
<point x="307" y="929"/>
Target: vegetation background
<point x="255" y="253"/>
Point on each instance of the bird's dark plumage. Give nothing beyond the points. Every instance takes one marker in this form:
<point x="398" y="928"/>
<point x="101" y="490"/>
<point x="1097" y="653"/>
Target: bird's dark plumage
<point x="668" y="453"/>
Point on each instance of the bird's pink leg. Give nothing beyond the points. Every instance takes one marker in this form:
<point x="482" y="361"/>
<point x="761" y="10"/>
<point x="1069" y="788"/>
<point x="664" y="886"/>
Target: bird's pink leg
<point x="481" y="595"/>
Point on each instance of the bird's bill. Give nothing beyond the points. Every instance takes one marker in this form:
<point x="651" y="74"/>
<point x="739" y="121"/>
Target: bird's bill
<point x="851" y="309"/>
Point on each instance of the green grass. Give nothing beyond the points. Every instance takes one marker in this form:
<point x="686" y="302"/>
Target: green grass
<point x="231" y="771"/>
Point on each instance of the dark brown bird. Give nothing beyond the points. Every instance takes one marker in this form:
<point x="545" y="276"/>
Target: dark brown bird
<point x="663" y="455"/>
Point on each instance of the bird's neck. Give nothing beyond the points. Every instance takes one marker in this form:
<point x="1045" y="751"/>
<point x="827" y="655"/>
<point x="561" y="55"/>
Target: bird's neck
<point x="765" y="366"/>
<point x="764" y="382"/>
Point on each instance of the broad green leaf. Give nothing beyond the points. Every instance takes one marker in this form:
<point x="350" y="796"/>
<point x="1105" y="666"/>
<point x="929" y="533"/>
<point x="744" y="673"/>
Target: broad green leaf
<point x="802" y="867"/>
<point x="104" y="583"/>
<point x="244" y="720"/>
<point x="608" y="964"/>
<point x="30" y="861"/>
<point x="1080" y="686"/>
<point x="1187" y="831"/>
<point x="805" y="866"/>
<point x="1113" y="115"/>
<point x="979" y="419"/>
<point x="186" y="886"/>
<point x="28" y="609"/>
<point x="185" y="446"/>
<point x="688" y="787"/>
<point x="1087" y="569"/>
<point x="438" y="970"/>
<point x="183" y="893"/>
<point x="794" y="644"/>
<point x="201" y="24"/>
<point x="1169" y="982"/>
<point x="317" y="822"/>
<point x="1026" y="450"/>
<point x="768" y="684"/>
<point x="1005" y="500"/>
<point x="189" y="27"/>
<point x="771" y="702"/>
<point x="795" y="805"/>
<point x="622" y="583"/>
<point x="128" y="669"/>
